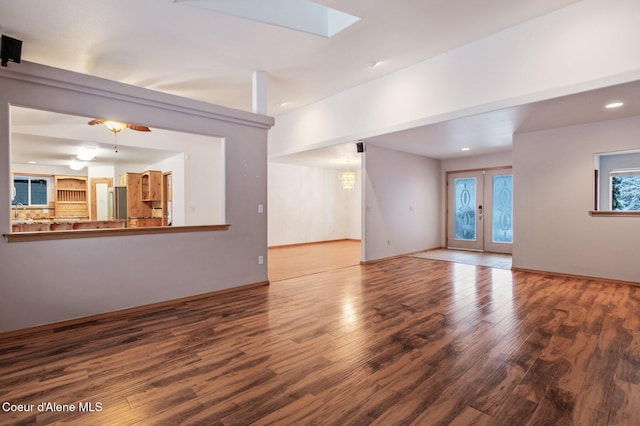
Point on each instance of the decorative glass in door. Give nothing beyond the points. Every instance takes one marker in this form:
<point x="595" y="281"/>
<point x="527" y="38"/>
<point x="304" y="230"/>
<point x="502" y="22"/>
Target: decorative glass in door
<point x="465" y="210"/>
<point x="502" y="203"/>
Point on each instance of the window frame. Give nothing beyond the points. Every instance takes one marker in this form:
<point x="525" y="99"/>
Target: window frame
<point x="604" y="165"/>
<point x="30" y="179"/>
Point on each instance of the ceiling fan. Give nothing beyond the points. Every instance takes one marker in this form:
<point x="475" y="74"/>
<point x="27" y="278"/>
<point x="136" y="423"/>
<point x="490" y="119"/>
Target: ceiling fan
<point x="116" y="126"/>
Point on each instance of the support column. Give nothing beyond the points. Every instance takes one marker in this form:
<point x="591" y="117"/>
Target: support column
<point x="259" y="105"/>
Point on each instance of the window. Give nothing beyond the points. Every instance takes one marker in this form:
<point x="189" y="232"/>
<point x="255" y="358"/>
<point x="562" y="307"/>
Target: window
<point x="617" y="182"/>
<point x="625" y="190"/>
<point x="29" y="191"/>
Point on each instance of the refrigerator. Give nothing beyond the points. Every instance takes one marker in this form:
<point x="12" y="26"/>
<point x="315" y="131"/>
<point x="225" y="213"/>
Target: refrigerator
<point x="118" y="203"/>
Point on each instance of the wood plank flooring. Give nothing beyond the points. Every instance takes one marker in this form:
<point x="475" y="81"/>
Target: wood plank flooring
<point x="402" y="341"/>
<point x="304" y="259"/>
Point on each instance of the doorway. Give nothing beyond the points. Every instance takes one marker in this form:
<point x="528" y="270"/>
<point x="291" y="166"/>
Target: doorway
<point x="100" y="198"/>
<point x="480" y="210"/>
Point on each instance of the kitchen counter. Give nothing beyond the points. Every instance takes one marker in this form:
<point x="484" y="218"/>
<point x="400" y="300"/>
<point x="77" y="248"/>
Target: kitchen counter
<point x="144" y="222"/>
<point x="62" y="225"/>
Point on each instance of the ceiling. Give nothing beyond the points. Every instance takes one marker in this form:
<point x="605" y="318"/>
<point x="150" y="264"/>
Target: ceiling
<point x="196" y="53"/>
<point x="175" y="48"/>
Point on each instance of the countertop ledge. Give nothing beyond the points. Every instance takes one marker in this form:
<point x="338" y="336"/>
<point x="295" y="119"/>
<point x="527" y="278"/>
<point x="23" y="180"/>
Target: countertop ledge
<point x="18" y="237"/>
<point x="614" y="213"/>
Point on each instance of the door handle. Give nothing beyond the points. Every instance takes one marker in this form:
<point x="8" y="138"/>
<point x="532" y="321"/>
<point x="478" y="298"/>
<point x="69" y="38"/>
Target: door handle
<point x="480" y="212"/>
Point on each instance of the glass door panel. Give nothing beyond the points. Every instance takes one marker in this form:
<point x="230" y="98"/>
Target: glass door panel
<point x="465" y="230"/>
<point x="464" y="224"/>
<point x="480" y="210"/>
<point x="502" y="187"/>
<point x="499" y="211"/>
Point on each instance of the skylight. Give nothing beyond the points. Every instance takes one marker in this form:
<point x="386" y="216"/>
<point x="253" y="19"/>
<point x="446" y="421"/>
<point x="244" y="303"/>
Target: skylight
<point x="299" y="15"/>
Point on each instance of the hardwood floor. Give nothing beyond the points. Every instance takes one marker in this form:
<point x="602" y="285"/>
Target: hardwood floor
<point x="402" y="341"/>
<point x="304" y="259"/>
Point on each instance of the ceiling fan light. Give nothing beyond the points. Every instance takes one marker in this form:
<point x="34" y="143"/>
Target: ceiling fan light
<point x="115" y="126"/>
<point x="77" y="165"/>
<point x="87" y="154"/>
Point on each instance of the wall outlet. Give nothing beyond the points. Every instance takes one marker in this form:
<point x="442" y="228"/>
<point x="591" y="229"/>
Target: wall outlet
<point x="260" y="208"/>
<point x="260" y="260"/>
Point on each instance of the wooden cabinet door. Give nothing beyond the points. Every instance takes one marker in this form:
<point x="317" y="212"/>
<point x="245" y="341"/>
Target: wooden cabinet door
<point x="135" y="206"/>
<point x="151" y="185"/>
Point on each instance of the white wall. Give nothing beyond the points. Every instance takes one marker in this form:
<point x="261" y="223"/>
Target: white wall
<point x="553" y="180"/>
<point x="102" y="172"/>
<point x="307" y="204"/>
<point x="204" y="183"/>
<point x="402" y="203"/>
<point x="587" y="45"/>
<point x="48" y="281"/>
<point x="473" y="162"/>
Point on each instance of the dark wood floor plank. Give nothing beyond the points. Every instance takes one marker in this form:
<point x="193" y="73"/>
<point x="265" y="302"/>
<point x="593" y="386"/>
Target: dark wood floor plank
<point x="402" y="341"/>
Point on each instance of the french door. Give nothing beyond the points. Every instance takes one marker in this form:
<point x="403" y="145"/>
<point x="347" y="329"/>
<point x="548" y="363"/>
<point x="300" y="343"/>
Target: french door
<point x="480" y="210"/>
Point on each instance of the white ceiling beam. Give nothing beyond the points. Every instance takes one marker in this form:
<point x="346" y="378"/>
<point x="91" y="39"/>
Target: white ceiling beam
<point x="585" y="46"/>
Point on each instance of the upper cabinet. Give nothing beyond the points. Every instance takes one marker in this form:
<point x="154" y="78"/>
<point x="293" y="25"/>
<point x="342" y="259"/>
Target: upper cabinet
<point x="71" y="196"/>
<point x="144" y="198"/>
<point x="135" y="206"/>
<point x="151" y="182"/>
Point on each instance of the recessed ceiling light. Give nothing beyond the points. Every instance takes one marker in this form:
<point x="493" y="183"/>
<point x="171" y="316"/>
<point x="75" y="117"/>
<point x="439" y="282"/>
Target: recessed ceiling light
<point x="614" y="105"/>
<point x="374" y="64"/>
<point x="32" y="162"/>
<point x="465" y="149"/>
<point x="284" y="104"/>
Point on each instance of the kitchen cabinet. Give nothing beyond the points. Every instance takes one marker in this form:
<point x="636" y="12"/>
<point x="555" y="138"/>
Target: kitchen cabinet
<point x="144" y="198"/>
<point x="151" y="182"/>
<point x="71" y="196"/>
<point x="135" y="206"/>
